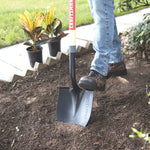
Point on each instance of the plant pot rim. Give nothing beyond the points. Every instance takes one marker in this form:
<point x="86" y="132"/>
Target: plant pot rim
<point x="39" y="48"/>
<point x="54" y="40"/>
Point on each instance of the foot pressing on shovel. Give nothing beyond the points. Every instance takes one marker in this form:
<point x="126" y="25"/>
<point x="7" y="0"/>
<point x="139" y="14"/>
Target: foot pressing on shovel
<point x="108" y="58"/>
<point x="96" y="81"/>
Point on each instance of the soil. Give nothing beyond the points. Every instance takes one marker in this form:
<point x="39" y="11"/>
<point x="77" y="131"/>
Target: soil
<point x="28" y="110"/>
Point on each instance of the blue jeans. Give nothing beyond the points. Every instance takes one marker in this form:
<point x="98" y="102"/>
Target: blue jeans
<point x="106" y="40"/>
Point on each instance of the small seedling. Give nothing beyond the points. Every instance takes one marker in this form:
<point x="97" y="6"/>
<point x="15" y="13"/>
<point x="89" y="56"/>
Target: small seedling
<point x="140" y="134"/>
<point x="148" y="94"/>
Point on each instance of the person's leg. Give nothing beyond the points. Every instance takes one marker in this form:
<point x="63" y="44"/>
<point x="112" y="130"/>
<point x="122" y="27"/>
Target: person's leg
<point x="115" y="53"/>
<point x="103" y="15"/>
<point x="116" y="63"/>
<point x="106" y="44"/>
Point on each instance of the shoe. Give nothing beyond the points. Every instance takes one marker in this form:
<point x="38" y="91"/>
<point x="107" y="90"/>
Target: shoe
<point x="117" y="69"/>
<point x="94" y="81"/>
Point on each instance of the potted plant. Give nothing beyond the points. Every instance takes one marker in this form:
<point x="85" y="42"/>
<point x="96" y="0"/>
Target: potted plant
<point x="53" y="28"/>
<point x="33" y="29"/>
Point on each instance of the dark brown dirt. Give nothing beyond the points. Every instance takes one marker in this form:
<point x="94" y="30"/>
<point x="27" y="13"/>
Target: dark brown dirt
<point x="28" y="111"/>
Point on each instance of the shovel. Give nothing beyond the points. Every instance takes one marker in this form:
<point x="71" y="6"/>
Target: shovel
<point x="74" y="104"/>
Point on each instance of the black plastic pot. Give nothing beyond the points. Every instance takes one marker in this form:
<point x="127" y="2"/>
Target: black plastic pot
<point x="54" y="47"/>
<point x="35" y="56"/>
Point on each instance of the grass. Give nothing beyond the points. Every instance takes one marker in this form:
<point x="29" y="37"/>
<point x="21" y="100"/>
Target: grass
<point x="10" y="29"/>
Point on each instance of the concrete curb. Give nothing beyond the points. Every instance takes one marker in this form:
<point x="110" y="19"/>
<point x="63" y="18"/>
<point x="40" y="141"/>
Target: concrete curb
<point x="61" y="57"/>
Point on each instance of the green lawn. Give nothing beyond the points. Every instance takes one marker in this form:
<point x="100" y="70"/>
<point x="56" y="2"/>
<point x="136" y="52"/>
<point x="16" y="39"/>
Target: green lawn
<point x="10" y="29"/>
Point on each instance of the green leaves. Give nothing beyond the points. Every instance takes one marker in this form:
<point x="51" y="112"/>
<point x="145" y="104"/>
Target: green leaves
<point x="139" y="134"/>
<point x="148" y="93"/>
<point x="30" y="22"/>
<point x="40" y="27"/>
<point x="57" y="26"/>
<point x="53" y="26"/>
<point x="139" y="36"/>
<point x="126" y="5"/>
<point x="32" y="27"/>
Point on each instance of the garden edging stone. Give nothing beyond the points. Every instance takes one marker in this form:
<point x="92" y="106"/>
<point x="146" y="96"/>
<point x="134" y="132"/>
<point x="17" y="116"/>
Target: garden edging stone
<point x="60" y="57"/>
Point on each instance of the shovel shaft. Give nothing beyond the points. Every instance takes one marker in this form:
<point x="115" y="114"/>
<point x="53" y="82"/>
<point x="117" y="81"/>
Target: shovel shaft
<point x="72" y="23"/>
<point x="72" y="58"/>
<point x="72" y="47"/>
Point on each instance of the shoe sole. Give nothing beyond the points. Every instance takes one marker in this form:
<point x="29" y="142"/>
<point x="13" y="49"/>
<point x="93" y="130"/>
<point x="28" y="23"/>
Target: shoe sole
<point x="88" y="86"/>
<point x="117" y="73"/>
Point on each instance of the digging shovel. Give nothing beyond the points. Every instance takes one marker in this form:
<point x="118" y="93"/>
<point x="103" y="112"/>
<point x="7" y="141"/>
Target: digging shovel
<point x="74" y="104"/>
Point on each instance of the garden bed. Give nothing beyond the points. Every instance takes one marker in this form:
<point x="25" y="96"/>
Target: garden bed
<point x="28" y="110"/>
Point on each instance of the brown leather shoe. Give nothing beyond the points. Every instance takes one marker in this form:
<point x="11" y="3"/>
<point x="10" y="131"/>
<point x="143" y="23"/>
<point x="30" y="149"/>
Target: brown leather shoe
<point x="117" y="69"/>
<point x="94" y="81"/>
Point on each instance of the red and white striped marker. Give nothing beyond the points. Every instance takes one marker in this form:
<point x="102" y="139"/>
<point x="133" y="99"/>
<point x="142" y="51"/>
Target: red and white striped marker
<point x="72" y="24"/>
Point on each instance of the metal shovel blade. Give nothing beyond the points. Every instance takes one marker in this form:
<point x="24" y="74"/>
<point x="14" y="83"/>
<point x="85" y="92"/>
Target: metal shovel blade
<point x="74" y="106"/>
